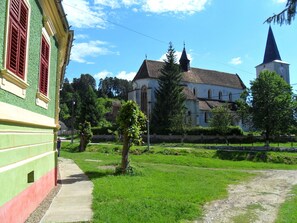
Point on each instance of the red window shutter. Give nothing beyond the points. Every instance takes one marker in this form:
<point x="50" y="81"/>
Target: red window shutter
<point x="14" y="8"/>
<point x="17" y="37"/>
<point x="13" y="47"/>
<point x="44" y="63"/>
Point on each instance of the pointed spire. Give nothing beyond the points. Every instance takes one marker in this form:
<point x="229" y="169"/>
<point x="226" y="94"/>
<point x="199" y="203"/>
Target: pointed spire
<point x="184" y="61"/>
<point x="271" y="51"/>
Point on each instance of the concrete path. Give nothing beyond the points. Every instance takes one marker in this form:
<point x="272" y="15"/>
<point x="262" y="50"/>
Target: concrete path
<point x="74" y="200"/>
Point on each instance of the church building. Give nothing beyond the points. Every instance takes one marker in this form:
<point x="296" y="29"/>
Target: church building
<point x="204" y="89"/>
<point x="272" y="60"/>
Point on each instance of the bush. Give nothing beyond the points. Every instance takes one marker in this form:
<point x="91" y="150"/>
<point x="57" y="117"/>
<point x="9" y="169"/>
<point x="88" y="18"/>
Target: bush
<point x="106" y="130"/>
<point x="232" y="130"/>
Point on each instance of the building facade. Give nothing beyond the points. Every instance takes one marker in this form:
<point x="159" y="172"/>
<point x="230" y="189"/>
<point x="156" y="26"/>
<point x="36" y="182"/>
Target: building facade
<point x="35" y="43"/>
<point x="204" y="89"/>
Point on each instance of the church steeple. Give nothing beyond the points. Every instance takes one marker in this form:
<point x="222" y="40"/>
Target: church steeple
<point x="184" y="61"/>
<point x="271" y="51"/>
<point x="272" y="60"/>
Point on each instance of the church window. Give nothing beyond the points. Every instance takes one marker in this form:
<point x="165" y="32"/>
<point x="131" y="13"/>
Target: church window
<point x="144" y="99"/>
<point x="209" y="94"/>
<point x="205" y="117"/>
<point x="230" y="96"/>
<point x="220" y="95"/>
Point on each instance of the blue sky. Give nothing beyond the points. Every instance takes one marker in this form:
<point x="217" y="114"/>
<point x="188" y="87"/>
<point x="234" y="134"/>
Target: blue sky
<point x="112" y="38"/>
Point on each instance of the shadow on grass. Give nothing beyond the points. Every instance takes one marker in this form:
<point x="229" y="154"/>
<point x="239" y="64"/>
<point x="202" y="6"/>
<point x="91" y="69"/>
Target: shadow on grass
<point x="242" y="155"/>
<point x="96" y="175"/>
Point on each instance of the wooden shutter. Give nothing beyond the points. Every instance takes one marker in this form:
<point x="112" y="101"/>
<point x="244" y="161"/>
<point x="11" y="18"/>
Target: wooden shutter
<point x="17" y="37"/>
<point x="44" y="63"/>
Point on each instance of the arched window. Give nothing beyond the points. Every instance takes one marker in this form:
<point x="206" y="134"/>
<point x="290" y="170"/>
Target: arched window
<point x="205" y="117"/>
<point x="143" y="99"/>
<point x="220" y="95"/>
<point x="194" y="91"/>
<point x="209" y="94"/>
<point x="230" y="96"/>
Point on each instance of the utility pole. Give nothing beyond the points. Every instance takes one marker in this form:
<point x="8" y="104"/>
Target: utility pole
<point x="148" y="125"/>
<point x="72" y="121"/>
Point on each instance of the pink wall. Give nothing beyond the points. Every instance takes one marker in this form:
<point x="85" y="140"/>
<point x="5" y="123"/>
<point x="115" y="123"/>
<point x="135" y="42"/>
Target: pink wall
<point x="20" y="207"/>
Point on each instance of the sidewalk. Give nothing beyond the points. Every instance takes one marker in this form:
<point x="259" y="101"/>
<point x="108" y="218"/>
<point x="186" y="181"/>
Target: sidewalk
<point x="74" y="200"/>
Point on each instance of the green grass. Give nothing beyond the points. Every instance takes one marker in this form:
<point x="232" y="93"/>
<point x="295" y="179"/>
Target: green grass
<point x="288" y="211"/>
<point x="170" y="184"/>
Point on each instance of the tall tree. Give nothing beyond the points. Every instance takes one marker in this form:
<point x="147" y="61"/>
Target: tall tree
<point x="89" y="111"/>
<point x="81" y="84"/>
<point x="113" y="87"/>
<point x="131" y="123"/>
<point x="285" y="16"/>
<point x="169" y="107"/>
<point x="272" y="104"/>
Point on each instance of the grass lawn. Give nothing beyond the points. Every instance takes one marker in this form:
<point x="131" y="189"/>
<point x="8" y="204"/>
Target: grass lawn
<point x="288" y="211"/>
<point x="168" y="185"/>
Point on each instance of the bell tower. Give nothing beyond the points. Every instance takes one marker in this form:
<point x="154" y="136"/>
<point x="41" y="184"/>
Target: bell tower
<point x="272" y="60"/>
<point x="184" y="62"/>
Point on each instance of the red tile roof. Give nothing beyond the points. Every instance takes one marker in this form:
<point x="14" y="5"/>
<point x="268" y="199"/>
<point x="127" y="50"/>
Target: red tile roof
<point x="152" y="69"/>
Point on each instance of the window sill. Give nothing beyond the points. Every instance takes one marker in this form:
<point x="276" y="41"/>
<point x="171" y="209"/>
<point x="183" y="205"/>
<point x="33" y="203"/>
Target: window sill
<point x="13" y="84"/>
<point x="42" y="100"/>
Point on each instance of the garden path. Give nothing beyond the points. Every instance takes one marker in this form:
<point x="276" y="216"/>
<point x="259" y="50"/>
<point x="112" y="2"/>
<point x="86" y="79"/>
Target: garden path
<point x="257" y="200"/>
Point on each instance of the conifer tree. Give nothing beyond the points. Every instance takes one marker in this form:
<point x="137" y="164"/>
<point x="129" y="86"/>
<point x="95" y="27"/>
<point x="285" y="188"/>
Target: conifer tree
<point x="169" y="107"/>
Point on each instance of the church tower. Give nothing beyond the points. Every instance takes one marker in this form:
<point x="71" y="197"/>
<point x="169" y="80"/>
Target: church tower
<point x="272" y="60"/>
<point x="184" y="62"/>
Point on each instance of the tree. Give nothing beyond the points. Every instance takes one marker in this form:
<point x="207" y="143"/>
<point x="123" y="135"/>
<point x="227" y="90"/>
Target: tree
<point x="285" y="16"/>
<point x="113" y="87"/>
<point x="272" y="104"/>
<point x="85" y="134"/>
<point x="131" y="123"/>
<point x="169" y="107"/>
<point x="221" y="119"/>
<point x="89" y="111"/>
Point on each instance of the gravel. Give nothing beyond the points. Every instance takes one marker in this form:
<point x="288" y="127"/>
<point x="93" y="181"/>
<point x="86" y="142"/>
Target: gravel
<point x="38" y="214"/>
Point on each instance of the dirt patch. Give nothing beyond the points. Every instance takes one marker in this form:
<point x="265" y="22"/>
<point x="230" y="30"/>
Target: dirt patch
<point x="106" y="167"/>
<point x="257" y="200"/>
<point x="96" y="161"/>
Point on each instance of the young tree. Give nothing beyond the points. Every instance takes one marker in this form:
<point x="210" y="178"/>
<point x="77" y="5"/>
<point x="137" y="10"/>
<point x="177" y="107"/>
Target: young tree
<point x="131" y="123"/>
<point x="85" y="134"/>
<point x="286" y="15"/>
<point x="221" y="119"/>
<point x="272" y="104"/>
<point x="170" y="100"/>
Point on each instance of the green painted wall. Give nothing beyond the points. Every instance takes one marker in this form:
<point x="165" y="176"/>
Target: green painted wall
<point x="19" y="143"/>
<point x="2" y="30"/>
<point x="29" y="102"/>
<point x="14" y="181"/>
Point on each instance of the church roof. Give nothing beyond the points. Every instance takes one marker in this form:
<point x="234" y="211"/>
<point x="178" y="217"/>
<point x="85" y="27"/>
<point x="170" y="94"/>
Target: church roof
<point x="271" y="50"/>
<point x="152" y="69"/>
<point x="208" y="104"/>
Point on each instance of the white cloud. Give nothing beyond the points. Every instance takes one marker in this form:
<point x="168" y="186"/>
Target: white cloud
<point x="280" y="1"/>
<point x="80" y="36"/>
<point x="89" y="14"/>
<point x="121" y="75"/>
<point x="235" y="61"/>
<point x="103" y="74"/>
<point x="177" y="56"/>
<point x="81" y="14"/>
<point x="125" y="75"/>
<point x="96" y="48"/>
<point x="176" y="6"/>
<point x="110" y="3"/>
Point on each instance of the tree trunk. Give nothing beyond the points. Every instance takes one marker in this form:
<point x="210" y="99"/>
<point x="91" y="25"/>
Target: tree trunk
<point x="82" y="144"/>
<point x="125" y="154"/>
